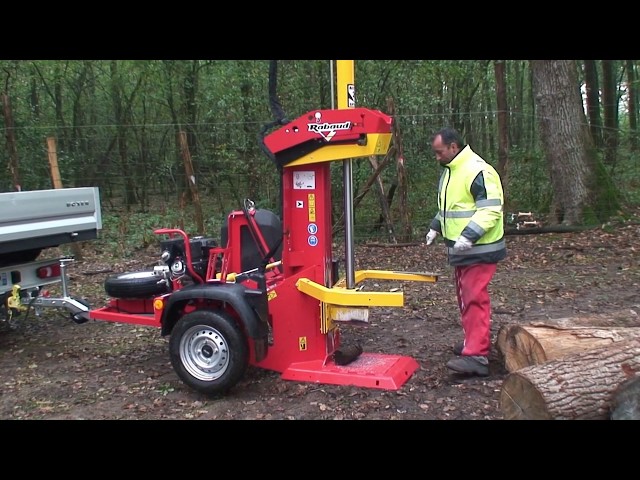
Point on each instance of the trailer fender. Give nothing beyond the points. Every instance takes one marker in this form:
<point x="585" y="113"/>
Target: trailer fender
<point x="248" y="304"/>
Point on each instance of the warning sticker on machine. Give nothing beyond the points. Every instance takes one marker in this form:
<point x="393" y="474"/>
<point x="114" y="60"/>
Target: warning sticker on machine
<point x="304" y="180"/>
<point x="311" y="200"/>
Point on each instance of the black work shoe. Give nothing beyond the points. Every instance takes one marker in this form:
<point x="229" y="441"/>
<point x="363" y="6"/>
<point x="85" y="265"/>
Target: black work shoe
<point x="470" y="365"/>
<point x="458" y="347"/>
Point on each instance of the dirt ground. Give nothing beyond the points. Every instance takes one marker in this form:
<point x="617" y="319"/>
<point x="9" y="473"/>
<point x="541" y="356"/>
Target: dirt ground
<point x="53" y="368"/>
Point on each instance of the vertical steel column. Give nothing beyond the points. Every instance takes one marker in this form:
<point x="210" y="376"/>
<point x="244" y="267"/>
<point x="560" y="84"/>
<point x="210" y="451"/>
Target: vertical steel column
<point x="346" y="99"/>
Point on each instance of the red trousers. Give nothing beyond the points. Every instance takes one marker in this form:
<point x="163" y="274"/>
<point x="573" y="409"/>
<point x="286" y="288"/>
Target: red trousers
<point x="472" y="282"/>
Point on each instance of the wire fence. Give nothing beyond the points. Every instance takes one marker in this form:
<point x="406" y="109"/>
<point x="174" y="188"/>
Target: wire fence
<point x="140" y="172"/>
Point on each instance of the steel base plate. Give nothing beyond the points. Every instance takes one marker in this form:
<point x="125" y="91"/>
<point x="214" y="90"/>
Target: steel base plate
<point x="369" y="370"/>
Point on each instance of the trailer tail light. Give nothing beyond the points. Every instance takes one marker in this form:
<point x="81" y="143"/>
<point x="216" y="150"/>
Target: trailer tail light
<point x="49" y="271"/>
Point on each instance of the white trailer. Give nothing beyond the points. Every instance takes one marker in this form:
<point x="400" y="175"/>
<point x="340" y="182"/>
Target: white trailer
<point x="31" y="222"/>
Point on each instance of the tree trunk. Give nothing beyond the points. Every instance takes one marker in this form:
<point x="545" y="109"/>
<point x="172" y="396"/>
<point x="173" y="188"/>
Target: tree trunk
<point x="632" y="105"/>
<point x="516" y="125"/>
<point x="547" y="229"/>
<point x="191" y="179"/>
<point x="526" y="345"/>
<point x="403" y="183"/>
<point x="338" y="224"/>
<point x="577" y="387"/>
<point x="119" y="109"/>
<point x="625" y="318"/>
<point x="592" y="89"/>
<point x="625" y="404"/>
<point x="622" y="318"/>
<point x="385" y="215"/>
<point x="11" y="141"/>
<point x="564" y="139"/>
<point x="56" y="180"/>
<point x="503" y="118"/>
<point x="610" y="108"/>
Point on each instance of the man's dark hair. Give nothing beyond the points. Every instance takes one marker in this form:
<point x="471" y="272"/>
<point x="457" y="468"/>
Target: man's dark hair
<point x="449" y="136"/>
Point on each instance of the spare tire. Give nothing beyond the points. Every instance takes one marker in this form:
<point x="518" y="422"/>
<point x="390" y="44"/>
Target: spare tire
<point x="135" y="285"/>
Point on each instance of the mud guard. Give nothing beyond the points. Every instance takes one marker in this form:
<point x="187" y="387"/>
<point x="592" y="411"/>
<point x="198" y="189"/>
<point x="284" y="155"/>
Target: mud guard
<point x="250" y="305"/>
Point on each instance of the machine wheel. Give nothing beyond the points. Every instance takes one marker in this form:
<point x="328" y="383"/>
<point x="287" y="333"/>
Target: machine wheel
<point x="208" y="351"/>
<point x="135" y="285"/>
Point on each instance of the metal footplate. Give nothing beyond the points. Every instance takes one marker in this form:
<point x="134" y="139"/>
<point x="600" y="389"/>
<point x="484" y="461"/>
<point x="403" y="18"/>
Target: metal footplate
<point x="370" y="370"/>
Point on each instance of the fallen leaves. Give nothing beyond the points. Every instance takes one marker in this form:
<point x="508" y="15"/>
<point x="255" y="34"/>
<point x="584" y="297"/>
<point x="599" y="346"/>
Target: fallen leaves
<point x="52" y="368"/>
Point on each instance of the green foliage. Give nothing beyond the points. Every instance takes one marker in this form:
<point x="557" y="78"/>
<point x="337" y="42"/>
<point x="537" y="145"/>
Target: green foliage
<point x="115" y="123"/>
<point x="125" y="233"/>
<point x="165" y="389"/>
<point x="626" y="177"/>
<point x="526" y="186"/>
<point x="606" y="201"/>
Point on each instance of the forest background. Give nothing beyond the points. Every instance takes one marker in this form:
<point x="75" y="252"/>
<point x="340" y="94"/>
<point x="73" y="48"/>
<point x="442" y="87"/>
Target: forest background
<point x="562" y="133"/>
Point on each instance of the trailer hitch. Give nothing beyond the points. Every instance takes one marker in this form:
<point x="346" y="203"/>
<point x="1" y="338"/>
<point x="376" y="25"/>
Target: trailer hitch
<point x="79" y="308"/>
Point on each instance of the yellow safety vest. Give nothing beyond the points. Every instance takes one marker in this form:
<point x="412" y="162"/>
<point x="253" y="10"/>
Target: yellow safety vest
<point x="480" y="219"/>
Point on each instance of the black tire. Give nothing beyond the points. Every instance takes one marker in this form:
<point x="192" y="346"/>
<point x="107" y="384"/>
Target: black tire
<point x="135" y="285"/>
<point x="209" y="351"/>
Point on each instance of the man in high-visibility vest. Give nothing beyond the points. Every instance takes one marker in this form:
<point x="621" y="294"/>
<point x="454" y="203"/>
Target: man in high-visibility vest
<point x="471" y="221"/>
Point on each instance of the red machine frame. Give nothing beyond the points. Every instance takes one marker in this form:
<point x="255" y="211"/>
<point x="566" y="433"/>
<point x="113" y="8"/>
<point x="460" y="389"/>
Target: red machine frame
<point x="306" y="302"/>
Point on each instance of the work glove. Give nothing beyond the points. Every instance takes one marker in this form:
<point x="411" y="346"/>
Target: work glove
<point x="462" y="244"/>
<point x="431" y="236"/>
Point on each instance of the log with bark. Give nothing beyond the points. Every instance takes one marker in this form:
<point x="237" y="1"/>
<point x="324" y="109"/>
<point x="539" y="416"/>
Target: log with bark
<point x="625" y="317"/>
<point x="625" y="404"/>
<point x="540" y="341"/>
<point x="525" y="345"/>
<point x="580" y="386"/>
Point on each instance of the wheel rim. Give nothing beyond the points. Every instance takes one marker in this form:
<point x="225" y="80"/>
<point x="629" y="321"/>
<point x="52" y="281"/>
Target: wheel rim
<point x="204" y="353"/>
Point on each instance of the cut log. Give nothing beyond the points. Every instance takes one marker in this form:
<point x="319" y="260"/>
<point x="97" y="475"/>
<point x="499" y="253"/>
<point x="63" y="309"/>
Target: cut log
<point x="525" y="345"/>
<point x="627" y="317"/>
<point x="625" y="404"/>
<point x="580" y="386"/>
